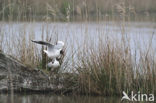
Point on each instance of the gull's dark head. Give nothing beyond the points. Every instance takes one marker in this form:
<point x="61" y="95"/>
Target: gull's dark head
<point x="62" y="52"/>
<point x="52" y="62"/>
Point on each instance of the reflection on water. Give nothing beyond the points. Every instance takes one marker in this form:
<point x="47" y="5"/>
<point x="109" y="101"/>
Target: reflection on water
<point x="41" y="98"/>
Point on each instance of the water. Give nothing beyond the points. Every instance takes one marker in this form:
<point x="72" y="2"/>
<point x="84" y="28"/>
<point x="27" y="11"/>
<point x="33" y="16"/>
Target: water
<point x="75" y="34"/>
<point x="42" y="98"/>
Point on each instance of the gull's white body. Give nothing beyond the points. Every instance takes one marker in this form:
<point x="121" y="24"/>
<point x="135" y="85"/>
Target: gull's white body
<point x="52" y="54"/>
<point x="55" y="51"/>
<point x="54" y="64"/>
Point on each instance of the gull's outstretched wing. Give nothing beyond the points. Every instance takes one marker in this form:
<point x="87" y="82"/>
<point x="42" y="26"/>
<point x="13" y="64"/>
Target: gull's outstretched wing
<point x="50" y="46"/>
<point x="41" y="42"/>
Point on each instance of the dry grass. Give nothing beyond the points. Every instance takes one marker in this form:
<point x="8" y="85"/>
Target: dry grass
<point x="110" y="69"/>
<point x="71" y="10"/>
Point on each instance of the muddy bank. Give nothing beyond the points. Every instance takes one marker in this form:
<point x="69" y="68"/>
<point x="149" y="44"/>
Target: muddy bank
<point x="17" y="77"/>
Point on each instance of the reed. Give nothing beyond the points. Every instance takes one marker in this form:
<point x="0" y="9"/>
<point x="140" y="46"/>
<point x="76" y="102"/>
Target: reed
<point x="108" y="70"/>
<point x="65" y="10"/>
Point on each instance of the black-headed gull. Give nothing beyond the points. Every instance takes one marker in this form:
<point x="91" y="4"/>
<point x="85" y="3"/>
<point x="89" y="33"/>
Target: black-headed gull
<point x="54" y="64"/>
<point x="53" y="51"/>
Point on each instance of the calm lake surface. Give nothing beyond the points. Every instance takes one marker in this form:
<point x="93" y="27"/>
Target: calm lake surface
<point x="41" y="98"/>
